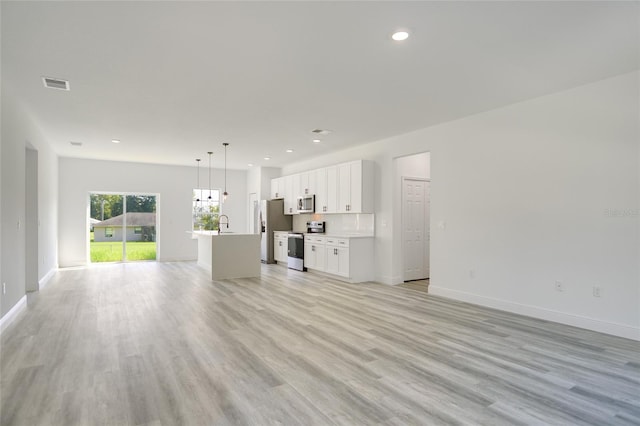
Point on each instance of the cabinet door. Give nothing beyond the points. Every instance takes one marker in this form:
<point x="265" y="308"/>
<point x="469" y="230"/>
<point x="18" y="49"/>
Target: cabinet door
<point x="311" y="184"/>
<point x="297" y="187"/>
<point x="332" y="189"/>
<point x="303" y="184"/>
<point x="344" y="188"/>
<point x="321" y="252"/>
<point x="277" y="243"/>
<point x="321" y="190"/>
<point x="355" y="187"/>
<point x="276" y="188"/>
<point x="343" y="261"/>
<point x="289" y="201"/>
<point x="309" y="255"/>
<point x="332" y="259"/>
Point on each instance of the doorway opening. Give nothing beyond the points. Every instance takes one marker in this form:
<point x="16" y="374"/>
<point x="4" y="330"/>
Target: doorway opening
<point x="415" y="191"/>
<point x="31" y="220"/>
<point x="122" y="227"/>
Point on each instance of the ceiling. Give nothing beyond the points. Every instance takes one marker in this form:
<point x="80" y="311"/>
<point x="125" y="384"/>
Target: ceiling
<point x="173" y="80"/>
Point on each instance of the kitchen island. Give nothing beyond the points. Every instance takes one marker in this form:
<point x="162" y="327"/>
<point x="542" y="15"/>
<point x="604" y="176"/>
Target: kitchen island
<point x="229" y="255"/>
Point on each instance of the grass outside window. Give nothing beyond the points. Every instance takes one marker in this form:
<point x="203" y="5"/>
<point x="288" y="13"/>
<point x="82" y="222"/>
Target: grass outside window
<point x="112" y="251"/>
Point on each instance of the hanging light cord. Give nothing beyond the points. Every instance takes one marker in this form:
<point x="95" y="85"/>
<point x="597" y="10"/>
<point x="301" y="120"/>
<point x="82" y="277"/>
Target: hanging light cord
<point x="225" y="170"/>
<point x="209" y="152"/>
<point x="198" y="180"/>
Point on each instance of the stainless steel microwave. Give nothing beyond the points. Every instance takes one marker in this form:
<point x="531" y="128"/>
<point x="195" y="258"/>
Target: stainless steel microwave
<point x="306" y="204"/>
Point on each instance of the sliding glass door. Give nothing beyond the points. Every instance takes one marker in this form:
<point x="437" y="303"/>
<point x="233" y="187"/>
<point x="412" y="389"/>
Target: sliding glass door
<point x="122" y="227"/>
<point x="140" y="241"/>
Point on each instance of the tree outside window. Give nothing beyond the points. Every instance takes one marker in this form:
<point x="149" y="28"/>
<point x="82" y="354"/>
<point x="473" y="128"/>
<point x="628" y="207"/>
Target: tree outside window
<point x="206" y="211"/>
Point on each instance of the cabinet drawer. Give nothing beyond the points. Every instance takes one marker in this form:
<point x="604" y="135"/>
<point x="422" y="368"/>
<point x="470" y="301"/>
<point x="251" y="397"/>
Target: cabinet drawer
<point x="314" y="239"/>
<point x="340" y="242"/>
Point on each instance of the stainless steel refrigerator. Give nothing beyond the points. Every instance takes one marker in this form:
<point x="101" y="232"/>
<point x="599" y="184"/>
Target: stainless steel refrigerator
<point x="269" y="216"/>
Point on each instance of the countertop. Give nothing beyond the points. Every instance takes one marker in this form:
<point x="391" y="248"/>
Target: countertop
<point x="330" y="235"/>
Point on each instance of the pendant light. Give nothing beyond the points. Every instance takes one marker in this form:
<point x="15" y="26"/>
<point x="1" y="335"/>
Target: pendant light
<point x="225" y="194"/>
<point x="198" y="180"/>
<point x="209" y="152"/>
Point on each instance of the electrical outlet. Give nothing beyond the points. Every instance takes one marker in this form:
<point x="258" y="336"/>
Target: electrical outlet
<point x="559" y="286"/>
<point x="597" y="291"/>
<point x="472" y="273"/>
<point x="4" y="288"/>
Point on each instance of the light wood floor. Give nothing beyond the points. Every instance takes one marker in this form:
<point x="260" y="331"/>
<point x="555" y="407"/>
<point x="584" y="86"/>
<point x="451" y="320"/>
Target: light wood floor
<point x="419" y="285"/>
<point x="160" y="344"/>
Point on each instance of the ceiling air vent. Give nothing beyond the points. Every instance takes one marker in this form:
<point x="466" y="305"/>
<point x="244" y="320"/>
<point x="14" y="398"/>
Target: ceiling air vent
<point x="321" y="131"/>
<point x="76" y="143"/>
<point x="55" y="83"/>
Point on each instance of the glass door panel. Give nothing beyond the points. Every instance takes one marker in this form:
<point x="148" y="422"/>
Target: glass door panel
<point x="106" y="227"/>
<point x="140" y="227"/>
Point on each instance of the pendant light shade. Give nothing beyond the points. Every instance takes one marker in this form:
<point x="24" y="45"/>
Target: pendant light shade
<point x="225" y="194"/>
<point x="198" y="181"/>
<point x="209" y="152"/>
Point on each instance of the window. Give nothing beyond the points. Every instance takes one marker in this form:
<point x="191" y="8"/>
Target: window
<point x="207" y="210"/>
<point x="137" y="230"/>
<point x="108" y="232"/>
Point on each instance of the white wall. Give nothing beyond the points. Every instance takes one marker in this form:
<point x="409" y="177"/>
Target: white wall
<point x="529" y="194"/>
<point x="19" y="131"/>
<point x="173" y="184"/>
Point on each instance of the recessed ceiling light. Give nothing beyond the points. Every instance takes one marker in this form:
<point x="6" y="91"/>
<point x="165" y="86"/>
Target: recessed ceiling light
<point x="115" y="141"/>
<point x="289" y="150"/>
<point x="400" y="35"/>
<point x="267" y="158"/>
<point x="316" y="141"/>
<point x="250" y="164"/>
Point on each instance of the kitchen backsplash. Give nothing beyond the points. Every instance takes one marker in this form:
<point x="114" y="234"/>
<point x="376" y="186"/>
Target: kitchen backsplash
<point x="351" y="223"/>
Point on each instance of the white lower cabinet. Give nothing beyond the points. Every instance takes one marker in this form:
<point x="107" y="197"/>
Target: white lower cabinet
<point x="349" y="258"/>
<point x="280" y="246"/>
<point x="338" y="256"/>
<point x="314" y="257"/>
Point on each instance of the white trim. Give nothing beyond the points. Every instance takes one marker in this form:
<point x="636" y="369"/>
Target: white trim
<point x="593" y="324"/>
<point x="13" y="313"/>
<point x="179" y="258"/>
<point x="45" y="280"/>
<point x="389" y="280"/>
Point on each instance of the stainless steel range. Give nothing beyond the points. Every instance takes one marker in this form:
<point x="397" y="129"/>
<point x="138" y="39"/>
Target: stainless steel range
<point x="295" y="258"/>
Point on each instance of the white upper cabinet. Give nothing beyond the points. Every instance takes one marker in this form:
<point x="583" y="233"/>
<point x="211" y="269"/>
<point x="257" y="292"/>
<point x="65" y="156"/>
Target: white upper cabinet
<point x="321" y="190"/>
<point x="355" y="187"/>
<point x="332" y="189"/>
<point x="289" y="197"/>
<point x="277" y="188"/>
<point x="343" y="188"/>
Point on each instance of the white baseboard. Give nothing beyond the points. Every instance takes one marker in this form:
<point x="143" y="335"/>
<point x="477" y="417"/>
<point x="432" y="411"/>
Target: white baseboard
<point x="45" y="280"/>
<point x="389" y="280"/>
<point x="13" y="313"/>
<point x="614" y="329"/>
<point x="177" y="259"/>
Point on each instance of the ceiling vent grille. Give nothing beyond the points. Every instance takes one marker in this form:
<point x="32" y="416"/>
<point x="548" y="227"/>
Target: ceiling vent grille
<point x="55" y="83"/>
<point x="321" y="132"/>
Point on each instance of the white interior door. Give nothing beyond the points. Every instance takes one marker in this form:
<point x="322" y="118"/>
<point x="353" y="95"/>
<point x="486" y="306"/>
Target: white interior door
<point x="415" y="228"/>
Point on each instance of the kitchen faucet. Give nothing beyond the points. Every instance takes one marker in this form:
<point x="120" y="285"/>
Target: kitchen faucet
<point x="220" y="222"/>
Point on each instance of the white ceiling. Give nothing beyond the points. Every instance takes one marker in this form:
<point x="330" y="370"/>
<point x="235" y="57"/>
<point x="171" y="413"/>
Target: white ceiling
<point x="173" y="80"/>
